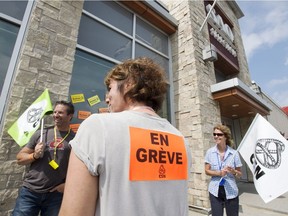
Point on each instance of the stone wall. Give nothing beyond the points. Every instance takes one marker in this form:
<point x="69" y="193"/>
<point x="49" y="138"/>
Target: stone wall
<point x="196" y="111"/>
<point x="45" y="61"/>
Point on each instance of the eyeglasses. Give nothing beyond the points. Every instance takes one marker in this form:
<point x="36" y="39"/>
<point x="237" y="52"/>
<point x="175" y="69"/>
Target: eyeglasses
<point x="218" y="134"/>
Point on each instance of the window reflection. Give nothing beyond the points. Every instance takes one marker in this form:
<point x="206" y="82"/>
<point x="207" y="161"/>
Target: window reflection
<point x="101" y="38"/>
<point x="112" y="13"/>
<point x="15" y="9"/>
<point x="8" y="35"/>
<point x="88" y="79"/>
<point x="151" y="36"/>
<point x="143" y="51"/>
<point x="106" y="28"/>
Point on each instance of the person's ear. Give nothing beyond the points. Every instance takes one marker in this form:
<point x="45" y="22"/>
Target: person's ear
<point x="127" y="86"/>
<point x="71" y="116"/>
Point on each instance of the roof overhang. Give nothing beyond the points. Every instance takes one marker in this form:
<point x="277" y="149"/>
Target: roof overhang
<point x="237" y="100"/>
<point x="235" y="7"/>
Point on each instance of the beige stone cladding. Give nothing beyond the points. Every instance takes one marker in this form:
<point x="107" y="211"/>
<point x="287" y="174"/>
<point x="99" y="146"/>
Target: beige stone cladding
<point x="195" y="110"/>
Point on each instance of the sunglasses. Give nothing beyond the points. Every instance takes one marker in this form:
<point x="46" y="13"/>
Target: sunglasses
<point x="218" y="134"/>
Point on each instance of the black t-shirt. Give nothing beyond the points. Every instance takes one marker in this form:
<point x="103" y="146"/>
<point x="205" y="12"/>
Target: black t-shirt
<point x="41" y="177"/>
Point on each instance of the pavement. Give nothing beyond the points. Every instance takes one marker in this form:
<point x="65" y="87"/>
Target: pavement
<point x="251" y="204"/>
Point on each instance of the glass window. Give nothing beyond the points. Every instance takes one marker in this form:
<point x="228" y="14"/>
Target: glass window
<point x="151" y="36"/>
<point x="8" y="35"/>
<point x="165" y="110"/>
<point x="112" y="13"/>
<point x="143" y="51"/>
<point x="88" y="79"/>
<point x="11" y="33"/>
<point x="110" y="43"/>
<point x="15" y="9"/>
<point x="100" y="38"/>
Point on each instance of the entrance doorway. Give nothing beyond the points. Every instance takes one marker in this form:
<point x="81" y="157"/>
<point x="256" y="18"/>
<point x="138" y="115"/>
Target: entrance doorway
<point x="236" y="135"/>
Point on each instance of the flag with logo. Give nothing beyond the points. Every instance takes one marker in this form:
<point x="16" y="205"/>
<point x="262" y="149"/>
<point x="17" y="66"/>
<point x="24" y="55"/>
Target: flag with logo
<point x="265" y="151"/>
<point x="22" y="130"/>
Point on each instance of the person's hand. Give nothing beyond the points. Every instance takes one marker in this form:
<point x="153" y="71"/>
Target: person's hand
<point x="223" y="172"/>
<point x="59" y="188"/>
<point x="39" y="150"/>
<point x="230" y="170"/>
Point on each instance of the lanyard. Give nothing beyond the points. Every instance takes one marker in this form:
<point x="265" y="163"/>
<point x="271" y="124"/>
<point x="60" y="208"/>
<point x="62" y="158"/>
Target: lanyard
<point x="220" y="163"/>
<point x="57" y="144"/>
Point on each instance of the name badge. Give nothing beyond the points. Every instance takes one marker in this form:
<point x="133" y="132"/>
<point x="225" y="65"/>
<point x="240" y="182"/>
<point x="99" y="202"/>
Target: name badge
<point x="53" y="164"/>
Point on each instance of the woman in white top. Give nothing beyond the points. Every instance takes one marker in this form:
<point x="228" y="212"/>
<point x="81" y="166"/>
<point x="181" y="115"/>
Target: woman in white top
<point x="130" y="161"/>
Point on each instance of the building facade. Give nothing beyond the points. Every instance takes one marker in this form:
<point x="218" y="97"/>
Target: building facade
<point x="67" y="47"/>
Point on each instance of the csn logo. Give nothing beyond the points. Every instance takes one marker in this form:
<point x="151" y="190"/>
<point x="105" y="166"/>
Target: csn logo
<point x="162" y="172"/>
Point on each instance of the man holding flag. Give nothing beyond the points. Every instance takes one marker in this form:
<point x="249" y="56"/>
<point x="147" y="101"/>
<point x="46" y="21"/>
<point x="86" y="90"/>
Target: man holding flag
<point x="47" y="154"/>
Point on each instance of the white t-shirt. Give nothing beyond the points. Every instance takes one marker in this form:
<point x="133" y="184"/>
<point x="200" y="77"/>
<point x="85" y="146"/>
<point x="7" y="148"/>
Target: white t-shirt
<point x="142" y="161"/>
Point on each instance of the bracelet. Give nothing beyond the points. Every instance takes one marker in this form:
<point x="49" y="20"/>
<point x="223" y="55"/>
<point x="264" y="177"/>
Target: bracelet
<point x="34" y="156"/>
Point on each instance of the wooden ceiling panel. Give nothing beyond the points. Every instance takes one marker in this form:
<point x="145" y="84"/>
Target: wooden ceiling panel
<point x="236" y="104"/>
<point x="150" y="15"/>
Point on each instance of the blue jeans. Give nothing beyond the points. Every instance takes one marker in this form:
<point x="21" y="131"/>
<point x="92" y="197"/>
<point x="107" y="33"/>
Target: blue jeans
<point x="30" y="203"/>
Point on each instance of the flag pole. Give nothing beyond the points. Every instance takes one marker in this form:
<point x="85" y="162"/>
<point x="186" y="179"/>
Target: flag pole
<point x="231" y="160"/>
<point x="42" y="125"/>
<point x="214" y="3"/>
<point x="229" y="163"/>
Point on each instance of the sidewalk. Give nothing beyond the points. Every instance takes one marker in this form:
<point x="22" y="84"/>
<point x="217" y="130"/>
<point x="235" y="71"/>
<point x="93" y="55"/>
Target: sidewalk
<point x="250" y="199"/>
<point x="251" y="203"/>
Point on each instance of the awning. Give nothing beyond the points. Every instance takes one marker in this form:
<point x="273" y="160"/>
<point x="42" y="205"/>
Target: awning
<point x="237" y="100"/>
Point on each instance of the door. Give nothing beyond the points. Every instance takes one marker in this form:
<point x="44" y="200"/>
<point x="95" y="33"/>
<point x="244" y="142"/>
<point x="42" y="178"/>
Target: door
<point x="236" y="135"/>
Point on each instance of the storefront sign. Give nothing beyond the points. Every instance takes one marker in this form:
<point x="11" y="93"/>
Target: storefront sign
<point x="219" y="22"/>
<point x="221" y="31"/>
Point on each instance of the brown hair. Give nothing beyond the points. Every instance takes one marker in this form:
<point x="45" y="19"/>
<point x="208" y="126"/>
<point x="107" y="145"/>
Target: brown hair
<point x="227" y="134"/>
<point x="68" y="104"/>
<point x="147" y="79"/>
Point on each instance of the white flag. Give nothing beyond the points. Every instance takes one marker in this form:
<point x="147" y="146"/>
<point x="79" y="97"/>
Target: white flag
<point x="265" y="151"/>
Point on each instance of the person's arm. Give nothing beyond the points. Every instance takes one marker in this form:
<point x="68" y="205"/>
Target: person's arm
<point x="28" y="155"/>
<point x="236" y="172"/>
<point x="25" y="156"/>
<point x="210" y="172"/>
<point x="81" y="190"/>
